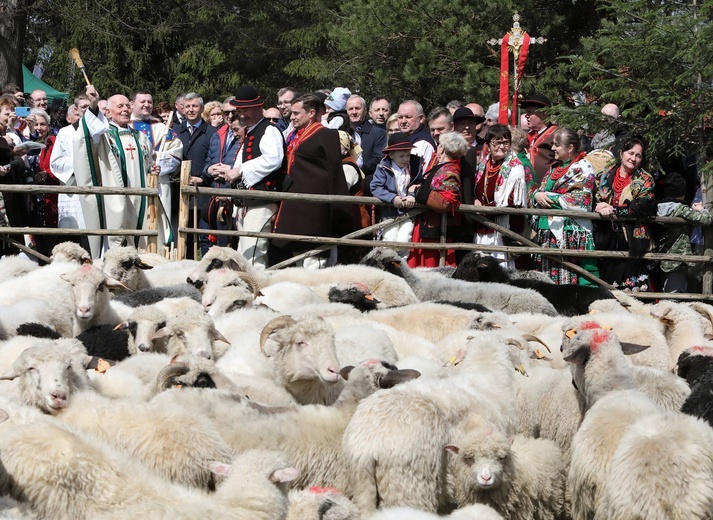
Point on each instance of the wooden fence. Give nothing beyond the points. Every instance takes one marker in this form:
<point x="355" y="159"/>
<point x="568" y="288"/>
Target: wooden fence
<point x="364" y="237"/>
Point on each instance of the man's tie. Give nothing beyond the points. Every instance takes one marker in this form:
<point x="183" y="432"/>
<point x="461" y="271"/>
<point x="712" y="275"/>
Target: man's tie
<point x="191" y="129"/>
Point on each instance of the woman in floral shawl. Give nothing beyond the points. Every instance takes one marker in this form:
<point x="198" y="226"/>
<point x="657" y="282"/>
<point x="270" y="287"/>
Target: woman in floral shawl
<point x="568" y="185"/>
<point x="626" y="190"/>
<point x="501" y="180"/>
<point x="440" y="191"/>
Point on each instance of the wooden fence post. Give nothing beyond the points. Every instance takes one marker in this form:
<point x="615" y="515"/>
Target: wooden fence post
<point x="152" y="241"/>
<point x="183" y="208"/>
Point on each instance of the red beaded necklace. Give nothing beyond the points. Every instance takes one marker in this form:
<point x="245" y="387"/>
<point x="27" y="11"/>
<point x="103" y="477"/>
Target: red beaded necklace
<point x="559" y="171"/>
<point x="620" y="182"/>
<point x="491" y="172"/>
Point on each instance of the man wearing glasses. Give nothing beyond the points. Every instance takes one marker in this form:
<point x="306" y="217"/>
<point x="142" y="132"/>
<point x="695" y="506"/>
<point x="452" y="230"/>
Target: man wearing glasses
<point x="273" y="115"/>
<point x="38" y="99"/>
<point x="285" y="97"/>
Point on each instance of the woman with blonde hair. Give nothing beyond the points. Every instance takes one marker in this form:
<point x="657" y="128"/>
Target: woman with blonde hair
<point x="213" y="114"/>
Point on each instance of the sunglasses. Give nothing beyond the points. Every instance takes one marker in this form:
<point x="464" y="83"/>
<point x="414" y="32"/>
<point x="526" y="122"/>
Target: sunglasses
<point x="229" y="112"/>
<point x="273" y="119"/>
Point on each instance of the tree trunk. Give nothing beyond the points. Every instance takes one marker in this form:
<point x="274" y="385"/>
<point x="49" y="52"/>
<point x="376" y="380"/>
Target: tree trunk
<point x="13" y="25"/>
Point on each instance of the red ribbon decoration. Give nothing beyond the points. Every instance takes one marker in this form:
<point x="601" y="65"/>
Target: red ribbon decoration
<point x="504" y="80"/>
<point x="524" y="49"/>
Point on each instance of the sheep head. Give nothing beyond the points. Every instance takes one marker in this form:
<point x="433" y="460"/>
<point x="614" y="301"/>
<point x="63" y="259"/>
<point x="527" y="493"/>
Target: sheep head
<point x="385" y="259"/>
<point x="228" y="290"/>
<point x="217" y="258"/>
<point x="90" y="290"/>
<point x="304" y="349"/>
<point x="49" y="372"/>
<point x="146" y="326"/>
<point x="70" y="252"/>
<point x="125" y="265"/>
<point x="369" y="376"/>
<point x="482" y="460"/>
<point x="193" y="332"/>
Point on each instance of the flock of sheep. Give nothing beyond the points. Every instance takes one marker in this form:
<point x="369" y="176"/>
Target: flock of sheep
<point x="140" y="388"/>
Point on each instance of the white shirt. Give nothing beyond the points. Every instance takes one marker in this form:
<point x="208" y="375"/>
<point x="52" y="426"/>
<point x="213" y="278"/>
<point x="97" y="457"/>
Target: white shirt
<point x="61" y="160"/>
<point x="271" y="155"/>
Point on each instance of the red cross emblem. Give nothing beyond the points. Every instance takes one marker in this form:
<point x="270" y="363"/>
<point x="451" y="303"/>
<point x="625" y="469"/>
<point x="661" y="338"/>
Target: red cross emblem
<point x="131" y="150"/>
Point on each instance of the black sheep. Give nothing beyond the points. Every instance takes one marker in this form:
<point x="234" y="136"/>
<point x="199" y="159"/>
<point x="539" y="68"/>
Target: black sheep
<point x="697" y="369"/>
<point x="156" y="294"/>
<point x="37" y="330"/>
<point x="105" y="342"/>
<point x="567" y="299"/>
<point x="355" y="294"/>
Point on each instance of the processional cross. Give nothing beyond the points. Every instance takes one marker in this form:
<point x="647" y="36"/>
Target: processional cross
<point x="518" y="42"/>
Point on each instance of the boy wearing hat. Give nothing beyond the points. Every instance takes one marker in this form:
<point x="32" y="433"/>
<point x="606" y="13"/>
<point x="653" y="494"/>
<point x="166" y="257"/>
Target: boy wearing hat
<point x="675" y="238"/>
<point x="398" y="170"/>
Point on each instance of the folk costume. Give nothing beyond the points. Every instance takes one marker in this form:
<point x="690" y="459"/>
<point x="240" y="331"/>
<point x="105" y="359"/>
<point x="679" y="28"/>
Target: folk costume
<point x="632" y="195"/>
<point x="507" y="184"/>
<point x="261" y="161"/>
<point x="540" y="151"/>
<point x="440" y="191"/>
<point x="106" y="155"/>
<point x="314" y="166"/>
<point x="168" y="153"/>
<point x="571" y="185"/>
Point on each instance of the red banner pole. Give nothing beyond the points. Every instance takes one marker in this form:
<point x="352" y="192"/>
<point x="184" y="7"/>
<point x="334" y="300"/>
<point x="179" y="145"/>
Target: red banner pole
<point x="504" y="80"/>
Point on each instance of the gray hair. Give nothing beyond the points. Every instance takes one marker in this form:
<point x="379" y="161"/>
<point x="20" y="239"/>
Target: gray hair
<point x="357" y="96"/>
<point x="41" y="113"/>
<point x="416" y="105"/>
<point x="454" y="104"/>
<point x="438" y="112"/>
<point x="193" y="95"/>
<point x="454" y="144"/>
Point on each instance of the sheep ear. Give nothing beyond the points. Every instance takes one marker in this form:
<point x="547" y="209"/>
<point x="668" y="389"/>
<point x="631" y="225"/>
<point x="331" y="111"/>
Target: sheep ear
<point x="160" y="333"/>
<point x="141" y="264"/>
<point x="345" y="371"/>
<point x="285" y="475"/>
<point x="66" y="277"/>
<point x="122" y="326"/>
<point x="3" y="416"/>
<point x="113" y="283"/>
<point x="220" y="468"/>
<point x="9" y="375"/>
<point x="579" y="356"/>
<point x="396" y="377"/>
<point x="218" y="336"/>
<point x="233" y="265"/>
<point x="685" y="363"/>
<point x="87" y="361"/>
<point x="452" y="449"/>
<point x="660" y="312"/>
<point x="632" y="348"/>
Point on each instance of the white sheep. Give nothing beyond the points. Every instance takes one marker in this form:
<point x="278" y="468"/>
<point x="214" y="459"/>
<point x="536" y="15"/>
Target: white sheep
<point x="13" y="266"/>
<point x="70" y="252"/>
<point x="389" y="289"/>
<point x="145" y="326"/>
<point x="393" y="445"/>
<point x="52" y="379"/>
<point x="319" y="503"/>
<point x="78" y="478"/>
<point x="472" y="512"/>
<point x="683" y="326"/>
<point x="235" y="288"/>
<point x="434" y="287"/>
<point x="11" y="509"/>
<point x="662" y="470"/>
<point x="522" y="478"/>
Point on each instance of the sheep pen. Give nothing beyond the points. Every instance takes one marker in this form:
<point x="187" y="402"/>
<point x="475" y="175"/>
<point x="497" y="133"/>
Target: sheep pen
<point x="218" y="360"/>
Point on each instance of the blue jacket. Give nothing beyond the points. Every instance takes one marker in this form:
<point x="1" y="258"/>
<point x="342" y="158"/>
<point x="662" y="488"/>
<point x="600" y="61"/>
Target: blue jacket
<point x="219" y="153"/>
<point x="373" y="142"/>
<point x="383" y="184"/>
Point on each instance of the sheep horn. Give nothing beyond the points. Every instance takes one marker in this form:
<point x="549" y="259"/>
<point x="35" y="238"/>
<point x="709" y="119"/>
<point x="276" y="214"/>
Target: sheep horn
<point x="141" y="264"/>
<point x="252" y="283"/>
<point x="532" y="337"/>
<point x="515" y="343"/>
<point x="169" y="371"/>
<point x="277" y="323"/>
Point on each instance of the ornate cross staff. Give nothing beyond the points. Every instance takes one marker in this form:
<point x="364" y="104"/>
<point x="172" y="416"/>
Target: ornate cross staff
<point x="518" y="42"/>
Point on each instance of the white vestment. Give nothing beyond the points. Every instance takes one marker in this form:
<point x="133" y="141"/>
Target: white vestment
<point x="69" y="206"/>
<point x="106" y="155"/>
<point x="168" y="153"/>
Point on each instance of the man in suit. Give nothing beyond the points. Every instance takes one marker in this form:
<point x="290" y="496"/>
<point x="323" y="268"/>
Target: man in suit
<point x="370" y="137"/>
<point x="195" y="134"/>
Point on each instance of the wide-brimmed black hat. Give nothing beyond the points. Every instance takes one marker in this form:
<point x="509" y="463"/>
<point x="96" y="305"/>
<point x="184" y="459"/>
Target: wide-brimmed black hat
<point x="536" y="100"/>
<point x="398" y="142"/>
<point x="247" y="97"/>
<point x="467" y="113"/>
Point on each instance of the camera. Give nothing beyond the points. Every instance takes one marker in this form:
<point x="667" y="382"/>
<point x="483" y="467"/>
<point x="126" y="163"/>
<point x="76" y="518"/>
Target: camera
<point x="22" y="111"/>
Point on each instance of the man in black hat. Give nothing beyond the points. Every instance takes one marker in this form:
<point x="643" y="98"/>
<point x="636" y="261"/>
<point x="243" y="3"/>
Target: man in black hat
<point x="540" y="134"/>
<point x="259" y="165"/>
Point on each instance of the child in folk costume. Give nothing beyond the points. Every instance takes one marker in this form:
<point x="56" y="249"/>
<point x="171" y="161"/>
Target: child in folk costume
<point x="502" y="180"/>
<point x="569" y="184"/>
<point x="398" y="170"/>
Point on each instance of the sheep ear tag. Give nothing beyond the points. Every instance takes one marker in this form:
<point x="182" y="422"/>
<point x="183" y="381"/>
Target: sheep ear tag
<point x="100" y="365"/>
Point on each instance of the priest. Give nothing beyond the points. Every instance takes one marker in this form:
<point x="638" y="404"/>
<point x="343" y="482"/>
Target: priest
<point x="112" y="154"/>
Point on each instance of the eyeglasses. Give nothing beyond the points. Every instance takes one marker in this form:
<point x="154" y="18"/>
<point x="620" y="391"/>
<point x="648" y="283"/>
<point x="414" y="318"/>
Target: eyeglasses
<point x="229" y="112"/>
<point x="499" y="144"/>
<point x="273" y="119"/>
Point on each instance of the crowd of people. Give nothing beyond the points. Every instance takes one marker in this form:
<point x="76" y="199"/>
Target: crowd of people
<point x="333" y="142"/>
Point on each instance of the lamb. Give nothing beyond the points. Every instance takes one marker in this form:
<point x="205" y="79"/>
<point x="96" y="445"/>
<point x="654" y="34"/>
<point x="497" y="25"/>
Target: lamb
<point x="304" y="362"/>
<point x="318" y="503"/>
<point x="661" y="470"/>
<point x="567" y="299"/>
<point x="145" y="328"/>
<point x="521" y="478"/>
<point x="78" y="478"/>
<point x="428" y="286"/>
<point x="53" y="379"/>
<point x="125" y="265"/>
<point x="393" y="446"/>
<point x="604" y="377"/>
<point x="390" y="290"/>
<point x="190" y="331"/>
